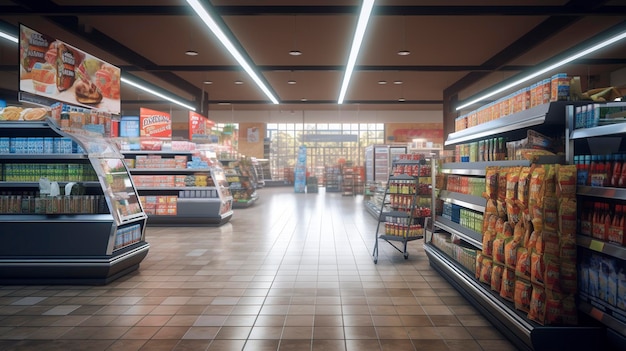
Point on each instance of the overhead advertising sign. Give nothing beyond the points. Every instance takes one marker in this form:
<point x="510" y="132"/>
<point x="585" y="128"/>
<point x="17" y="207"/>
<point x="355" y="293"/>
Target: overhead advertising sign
<point x="154" y="123"/>
<point x="59" y="71"/>
<point x="199" y="126"/>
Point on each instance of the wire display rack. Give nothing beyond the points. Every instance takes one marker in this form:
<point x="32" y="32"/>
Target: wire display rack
<point x="409" y="195"/>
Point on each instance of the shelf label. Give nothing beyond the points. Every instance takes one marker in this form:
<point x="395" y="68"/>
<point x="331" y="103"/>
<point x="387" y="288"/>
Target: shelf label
<point x="596" y="245"/>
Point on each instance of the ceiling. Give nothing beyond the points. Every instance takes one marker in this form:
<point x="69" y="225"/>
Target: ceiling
<point x="457" y="47"/>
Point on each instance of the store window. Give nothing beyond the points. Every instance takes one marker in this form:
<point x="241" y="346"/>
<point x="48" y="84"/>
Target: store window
<point x="327" y="145"/>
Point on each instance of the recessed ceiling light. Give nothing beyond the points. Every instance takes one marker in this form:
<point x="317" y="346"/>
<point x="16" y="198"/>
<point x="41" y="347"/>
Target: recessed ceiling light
<point x="291" y="82"/>
<point x="207" y="82"/>
<point x="191" y="53"/>
<point x="382" y="82"/>
<point x="401" y="100"/>
<point x="295" y="52"/>
<point x="238" y="82"/>
<point x="397" y="82"/>
<point x="303" y="100"/>
<point x="223" y="103"/>
<point x="404" y="53"/>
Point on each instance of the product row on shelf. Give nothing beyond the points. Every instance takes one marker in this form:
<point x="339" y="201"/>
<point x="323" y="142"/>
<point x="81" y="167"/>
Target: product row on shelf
<point x="535" y="244"/>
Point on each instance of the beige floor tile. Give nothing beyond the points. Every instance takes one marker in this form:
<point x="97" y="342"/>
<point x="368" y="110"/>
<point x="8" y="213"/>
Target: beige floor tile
<point x="289" y="273"/>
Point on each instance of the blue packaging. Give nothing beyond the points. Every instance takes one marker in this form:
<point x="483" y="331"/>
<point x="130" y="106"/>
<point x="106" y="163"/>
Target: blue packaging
<point x="129" y="126"/>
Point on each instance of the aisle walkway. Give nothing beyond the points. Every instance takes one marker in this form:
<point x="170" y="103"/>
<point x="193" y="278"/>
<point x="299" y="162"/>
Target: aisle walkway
<point x="293" y="272"/>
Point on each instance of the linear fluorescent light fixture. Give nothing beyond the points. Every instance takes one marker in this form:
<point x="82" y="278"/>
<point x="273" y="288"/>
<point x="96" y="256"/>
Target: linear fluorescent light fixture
<point x="361" y="26"/>
<point x="555" y="65"/>
<point x="8" y="37"/>
<point x="156" y="93"/>
<point x="217" y="31"/>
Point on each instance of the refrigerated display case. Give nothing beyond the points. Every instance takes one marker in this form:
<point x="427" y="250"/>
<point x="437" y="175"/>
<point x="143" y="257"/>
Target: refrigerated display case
<point x="92" y="232"/>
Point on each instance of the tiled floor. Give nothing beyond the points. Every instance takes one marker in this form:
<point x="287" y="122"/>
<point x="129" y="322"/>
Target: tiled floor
<point x="293" y="272"/>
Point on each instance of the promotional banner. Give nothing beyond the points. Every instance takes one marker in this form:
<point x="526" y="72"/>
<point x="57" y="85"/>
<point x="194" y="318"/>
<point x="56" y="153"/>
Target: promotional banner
<point x="59" y="71"/>
<point x="198" y="126"/>
<point x="154" y="123"/>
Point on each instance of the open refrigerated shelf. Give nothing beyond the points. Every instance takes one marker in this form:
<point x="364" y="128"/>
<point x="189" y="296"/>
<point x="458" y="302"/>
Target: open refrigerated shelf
<point x="82" y="248"/>
<point x="525" y="334"/>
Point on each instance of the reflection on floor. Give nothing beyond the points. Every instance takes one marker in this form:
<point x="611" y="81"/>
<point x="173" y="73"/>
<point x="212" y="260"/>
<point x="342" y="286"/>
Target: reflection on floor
<point x="292" y="272"/>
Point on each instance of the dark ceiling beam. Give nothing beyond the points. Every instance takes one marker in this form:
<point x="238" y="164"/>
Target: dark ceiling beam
<point x="361" y="68"/>
<point x="577" y="10"/>
<point x="546" y="29"/>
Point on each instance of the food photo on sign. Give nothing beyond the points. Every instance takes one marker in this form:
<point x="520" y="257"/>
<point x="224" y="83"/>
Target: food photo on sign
<point x="55" y="69"/>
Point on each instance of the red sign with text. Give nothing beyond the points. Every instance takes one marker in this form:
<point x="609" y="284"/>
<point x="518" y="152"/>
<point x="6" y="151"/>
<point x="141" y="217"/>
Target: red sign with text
<point x="154" y="123"/>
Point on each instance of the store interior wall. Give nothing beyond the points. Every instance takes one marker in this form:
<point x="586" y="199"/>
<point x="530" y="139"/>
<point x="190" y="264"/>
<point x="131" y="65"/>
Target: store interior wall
<point x="250" y="146"/>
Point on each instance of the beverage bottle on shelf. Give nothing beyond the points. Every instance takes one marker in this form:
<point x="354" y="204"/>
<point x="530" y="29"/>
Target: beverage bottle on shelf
<point x="586" y="219"/>
<point x="616" y="231"/>
<point x="606" y="171"/>
<point x="617" y="170"/>
<point x="608" y="219"/>
<point x="596" y="219"/>
<point x="594" y="170"/>
<point x="621" y="183"/>
<point x="587" y="169"/>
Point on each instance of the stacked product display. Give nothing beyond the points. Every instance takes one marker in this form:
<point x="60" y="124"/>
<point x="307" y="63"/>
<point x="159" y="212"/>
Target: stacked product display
<point x="180" y="186"/>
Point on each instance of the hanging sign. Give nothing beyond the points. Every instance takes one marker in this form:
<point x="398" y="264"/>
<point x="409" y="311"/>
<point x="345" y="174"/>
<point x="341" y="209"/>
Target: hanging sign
<point x="52" y="68"/>
<point x="198" y="126"/>
<point x="154" y="123"/>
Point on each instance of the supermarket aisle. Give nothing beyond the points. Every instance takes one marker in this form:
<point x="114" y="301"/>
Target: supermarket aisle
<point x="293" y="272"/>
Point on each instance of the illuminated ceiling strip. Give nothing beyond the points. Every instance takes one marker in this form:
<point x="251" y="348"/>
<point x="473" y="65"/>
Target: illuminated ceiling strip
<point x="361" y="26"/>
<point x="546" y="69"/>
<point x="217" y="31"/>
<point x="156" y="93"/>
<point x="8" y="37"/>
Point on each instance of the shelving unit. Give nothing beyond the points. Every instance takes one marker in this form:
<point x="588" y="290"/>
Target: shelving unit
<point x="192" y="196"/>
<point x="95" y="240"/>
<point x="331" y="178"/>
<point x="601" y="140"/>
<point x="347" y="181"/>
<point x="406" y="219"/>
<point x="242" y="185"/>
<point x="526" y="334"/>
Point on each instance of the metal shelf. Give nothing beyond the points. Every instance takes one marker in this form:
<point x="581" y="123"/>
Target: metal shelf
<point x="472" y="202"/>
<point x="479" y="168"/>
<point x="32" y="157"/>
<point x="169" y="170"/>
<point x="142" y="188"/>
<point x="607" y="130"/>
<point x="602" y="311"/>
<point x="605" y="192"/>
<point x="466" y="234"/>
<point x="604" y="247"/>
<point x="400" y="238"/>
<point x="524" y="333"/>
<point x="89" y="184"/>
<point x="552" y="113"/>
<point x="154" y="152"/>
